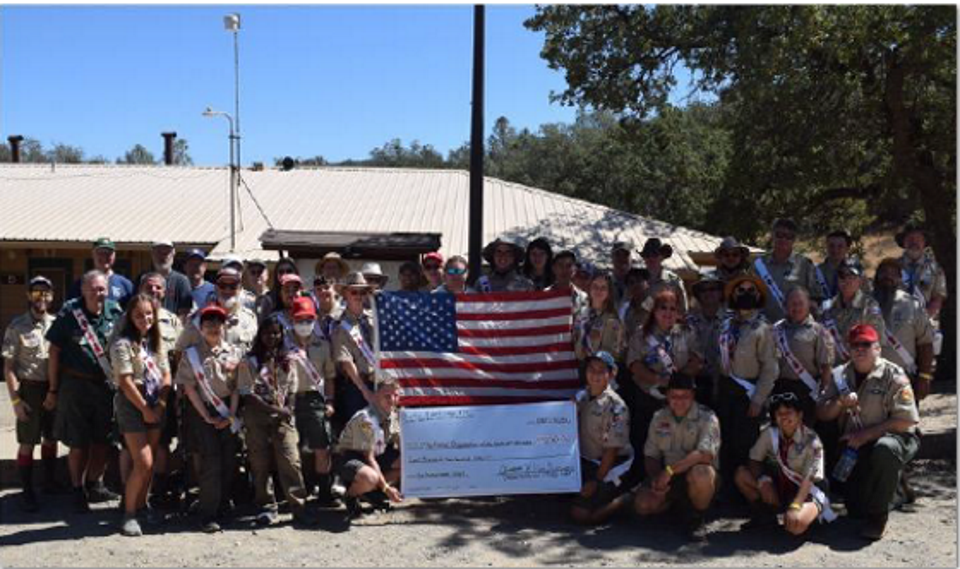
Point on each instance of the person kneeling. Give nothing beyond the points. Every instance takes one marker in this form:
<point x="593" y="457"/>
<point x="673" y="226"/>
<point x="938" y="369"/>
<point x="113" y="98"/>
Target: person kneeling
<point x="605" y="451"/>
<point x="792" y="456"/>
<point x="681" y="454"/>
<point x="368" y="453"/>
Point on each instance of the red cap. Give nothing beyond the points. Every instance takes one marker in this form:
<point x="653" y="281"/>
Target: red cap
<point x="433" y="255"/>
<point x="863" y="333"/>
<point x="290" y="278"/>
<point x="303" y="309"/>
<point x="213" y="311"/>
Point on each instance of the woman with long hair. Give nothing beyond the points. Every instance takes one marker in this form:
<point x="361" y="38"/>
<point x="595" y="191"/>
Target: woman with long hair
<point x="537" y="263"/>
<point x="285" y="266"/>
<point x="598" y="327"/>
<point x="142" y="374"/>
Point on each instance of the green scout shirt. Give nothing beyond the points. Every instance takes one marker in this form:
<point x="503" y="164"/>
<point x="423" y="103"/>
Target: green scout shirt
<point x="25" y="344"/>
<point x="65" y="334"/>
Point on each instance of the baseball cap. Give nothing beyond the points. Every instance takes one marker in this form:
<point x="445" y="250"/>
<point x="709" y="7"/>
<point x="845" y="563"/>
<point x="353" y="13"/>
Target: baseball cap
<point x="162" y="243"/>
<point x="40" y="280"/>
<point x="433" y="255"/>
<point x="303" y="309"/>
<point x="104" y="243"/>
<point x="863" y="333"/>
<point x="196" y="253"/>
<point x="846" y="268"/>
<point x="604" y="357"/>
<point x="228" y="273"/>
<point x="290" y="278"/>
<point x="213" y="311"/>
<point x="230" y="260"/>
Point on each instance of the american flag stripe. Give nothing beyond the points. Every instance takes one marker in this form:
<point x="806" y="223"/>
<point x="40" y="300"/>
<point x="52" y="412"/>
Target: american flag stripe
<point x="478" y="349"/>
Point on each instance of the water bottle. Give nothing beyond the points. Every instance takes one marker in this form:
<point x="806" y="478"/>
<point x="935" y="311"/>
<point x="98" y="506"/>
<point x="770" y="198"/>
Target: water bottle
<point x="845" y="465"/>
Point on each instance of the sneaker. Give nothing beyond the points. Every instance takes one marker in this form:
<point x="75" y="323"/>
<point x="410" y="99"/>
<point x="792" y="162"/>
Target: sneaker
<point x="875" y="527"/>
<point x="267" y="517"/>
<point x="131" y="527"/>
<point x="209" y="525"/>
<point x="80" y="503"/>
<point x="378" y="500"/>
<point x="28" y="502"/>
<point x="696" y="528"/>
<point x="98" y="492"/>
<point x="354" y="510"/>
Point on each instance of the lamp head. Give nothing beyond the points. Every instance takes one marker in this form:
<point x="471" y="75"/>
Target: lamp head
<point x="231" y="22"/>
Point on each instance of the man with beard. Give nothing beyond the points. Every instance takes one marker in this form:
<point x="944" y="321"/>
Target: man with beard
<point x="503" y="276"/>
<point x="908" y="337"/>
<point x="179" y="295"/>
<point x="921" y="274"/>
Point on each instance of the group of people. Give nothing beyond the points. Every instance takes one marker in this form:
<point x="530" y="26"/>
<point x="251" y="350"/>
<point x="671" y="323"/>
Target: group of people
<point x="767" y="376"/>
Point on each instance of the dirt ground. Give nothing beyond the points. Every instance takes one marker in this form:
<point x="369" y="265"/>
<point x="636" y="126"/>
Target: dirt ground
<point x="517" y="531"/>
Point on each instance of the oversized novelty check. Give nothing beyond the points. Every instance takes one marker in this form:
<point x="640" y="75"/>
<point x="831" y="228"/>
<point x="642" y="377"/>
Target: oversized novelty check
<point x="490" y="450"/>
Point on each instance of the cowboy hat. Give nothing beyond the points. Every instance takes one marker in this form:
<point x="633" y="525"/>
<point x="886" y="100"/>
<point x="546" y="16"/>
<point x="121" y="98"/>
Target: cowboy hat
<point x="654" y="246"/>
<point x="492" y="246"/>
<point x="735" y="281"/>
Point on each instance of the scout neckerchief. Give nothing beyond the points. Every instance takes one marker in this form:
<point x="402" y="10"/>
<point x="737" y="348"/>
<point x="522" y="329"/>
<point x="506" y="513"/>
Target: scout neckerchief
<point x="356" y="332"/>
<point x="909" y="363"/>
<point x="152" y="377"/>
<point x="93" y="342"/>
<point x="794" y="363"/>
<point x="662" y="351"/>
<point x="483" y="284"/>
<point x="207" y="392"/>
<point x="271" y="379"/>
<point x="729" y="337"/>
<point x="767" y="279"/>
<point x="586" y="326"/>
<point x="826" y="513"/>
<point x="315" y="376"/>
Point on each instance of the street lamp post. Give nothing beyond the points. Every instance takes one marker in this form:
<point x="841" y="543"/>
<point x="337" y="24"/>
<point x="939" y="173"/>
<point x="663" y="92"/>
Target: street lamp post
<point x="233" y="175"/>
<point x="231" y="23"/>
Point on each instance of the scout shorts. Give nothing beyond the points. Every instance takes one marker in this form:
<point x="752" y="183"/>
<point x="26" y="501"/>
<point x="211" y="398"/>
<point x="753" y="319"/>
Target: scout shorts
<point x="130" y="419"/>
<point x="39" y="423"/>
<point x="350" y="463"/>
<point x="84" y="412"/>
<point x="311" y="420"/>
<point x="605" y="493"/>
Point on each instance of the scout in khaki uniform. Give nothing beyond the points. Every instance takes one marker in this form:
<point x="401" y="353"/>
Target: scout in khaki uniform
<point x="25" y="355"/>
<point x="732" y="259"/>
<point x="620" y="259"/>
<point x="748" y="358"/>
<point x="782" y="269"/>
<point x="705" y="320"/>
<point x="268" y="379"/>
<point x="141" y="372"/>
<point x="922" y="275"/>
<point x="354" y="341"/>
<point x="838" y="252"/>
<point x="369" y="453"/>
<point x="849" y="308"/>
<point x="909" y="334"/>
<point x="503" y="258"/>
<point x="81" y="388"/>
<point x="241" y="325"/>
<point x="248" y="298"/>
<point x="785" y="473"/>
<point x="605" y="451"/>
<point x="564" y="267"/>
<point x="681" y="452"/>
<point x="315" y="393"/>
<point x="636" y="305"/>
<point x="208" y="373"/>
<point x="879" y="418"/>
<point x="805" y="349"/>
<point x="654" y="253"/>
<point x="599" y="328"/>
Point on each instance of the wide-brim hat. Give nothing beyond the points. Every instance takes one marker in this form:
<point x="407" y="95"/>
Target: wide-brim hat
<point x="907" y="229"/>
<point x="735" y="281"/>
<point x="356" y="280"/>
<point x="730" y="242"/>
<point x="492" y="246"/>
<point x="654" y="246"/>
<point x="336" y="258"/>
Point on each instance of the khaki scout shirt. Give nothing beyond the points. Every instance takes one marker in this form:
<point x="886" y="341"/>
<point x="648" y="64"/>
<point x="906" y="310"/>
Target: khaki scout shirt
<point x="926" y="274"/>
<point x="796" y="270"/>
<point x="829" y="271"/>
<point x="497" y="282"/>
<point x="810" y="343"/>
<point x="909" y="322"/>
<point x="125" y="360"/>
<point x="862" y="310"/>
<point x="345" y="348"/>
<point x="673" y="438"/>
<point x="669" y="279"/>
<point x="604" y="423"/>
<point x="318" y="351"/>
<point x="369" y="430"/>
<point x="884" y="393"/>
<point x="804" y="453"/>
<point x="755" y="355"/>
<point x="26" y="345"/>
<point x="595" y="331"/>
<point x="707" y="332"/>
<point x="240" y="330"/>
<point x="580" y="300"/>
<point x="680" y="343"/>
<point x="170" y="329"/>
<point x="222" y="383"/>
<point x="273" y="383"/>
<point x="634" y="316"/>
<point x="725" y="274"/>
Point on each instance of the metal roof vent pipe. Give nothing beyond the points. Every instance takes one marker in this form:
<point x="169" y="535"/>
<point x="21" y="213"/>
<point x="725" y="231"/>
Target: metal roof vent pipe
<point x="168" y="147"/>
<point x="15" y="141"/>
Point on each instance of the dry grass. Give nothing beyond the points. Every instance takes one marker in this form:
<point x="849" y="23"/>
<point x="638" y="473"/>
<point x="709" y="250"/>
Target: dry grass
<point x="876" y="246"/>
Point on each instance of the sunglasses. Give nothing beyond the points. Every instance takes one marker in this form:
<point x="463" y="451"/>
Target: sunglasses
<point x="228" y="286"/>
<point x="730" y="254"/>
<point x="455" y="271"/>
<point x="38" y="294"/>
<point x="860" y="345"/>
<point x="784" y="236"/>
<point x="783" y="397"/>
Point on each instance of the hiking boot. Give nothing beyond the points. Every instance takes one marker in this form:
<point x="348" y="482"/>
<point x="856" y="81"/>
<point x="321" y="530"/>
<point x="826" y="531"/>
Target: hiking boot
<point x="130" y="526"/>
<point x="761" y="517"/>
<point x="98" y="492"/>
<point x="875" y="527"/>
<point x="28" y="501"/>
<point x="354" y="510"/>
<point x="378" y="499"/>
<point x="209" y="525"/>
<point x="80" y="503"/>
<point x="267" y="517"/>
<point x="696" y="528"/>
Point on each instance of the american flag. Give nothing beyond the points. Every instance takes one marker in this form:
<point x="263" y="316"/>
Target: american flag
<point x="470" y="349"/>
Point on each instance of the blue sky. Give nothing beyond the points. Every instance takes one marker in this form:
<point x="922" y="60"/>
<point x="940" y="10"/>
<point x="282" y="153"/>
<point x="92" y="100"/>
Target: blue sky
<point x="330" y="80"/>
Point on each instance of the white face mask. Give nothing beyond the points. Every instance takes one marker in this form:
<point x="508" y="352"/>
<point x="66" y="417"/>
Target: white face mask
<point x="304" y="328"/>
<point x="230" y="303"/>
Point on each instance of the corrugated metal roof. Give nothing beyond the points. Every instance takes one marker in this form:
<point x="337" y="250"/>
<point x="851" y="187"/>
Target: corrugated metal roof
<point x="137" y="204"/>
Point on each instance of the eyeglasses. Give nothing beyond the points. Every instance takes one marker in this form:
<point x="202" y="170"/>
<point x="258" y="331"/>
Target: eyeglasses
<point x="228" y="286"/>
<point x="38" y="294"/>
<point x="861" y="345"/>
<point x="783" y="397"/>
<point x="785" y="236"/>
<point x="456" y="271"/>
<point x="431" y="267"/>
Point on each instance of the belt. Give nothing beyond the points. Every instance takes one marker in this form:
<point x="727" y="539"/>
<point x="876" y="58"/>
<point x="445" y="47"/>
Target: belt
<point x="80" y="375"/>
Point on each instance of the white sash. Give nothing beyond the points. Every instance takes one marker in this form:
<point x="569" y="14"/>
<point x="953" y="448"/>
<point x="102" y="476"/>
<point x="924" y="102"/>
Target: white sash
<point x="826" y="513"/>
<point x="795" y="365"/>
<point x="312" y="371"/>
<point x="357" y="336"/>
<point x="827" y="292"/>
<point x="624" y="307"/>
<point x="93" y="342"/>
<point x="726" y="346"/>
<point x="909" y="363"/>
<point x="767" y="279"/>
<point x="831" y="325"/>
<point x="207" y="392"/>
